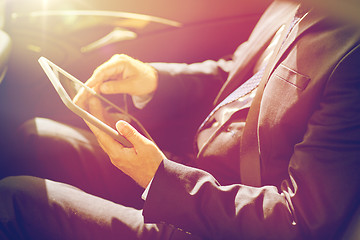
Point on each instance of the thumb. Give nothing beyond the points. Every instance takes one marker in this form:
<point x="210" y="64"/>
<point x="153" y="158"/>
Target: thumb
<point x="129" y="132"/>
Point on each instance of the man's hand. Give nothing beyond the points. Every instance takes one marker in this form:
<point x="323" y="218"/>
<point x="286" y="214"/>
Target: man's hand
<point x="123" y="74"/>
<point x="139" y="162"/>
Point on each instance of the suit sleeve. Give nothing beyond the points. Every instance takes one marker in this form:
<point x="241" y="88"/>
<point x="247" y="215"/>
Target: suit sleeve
<point x="184" y="90"/>
<point x="321" y="192"/>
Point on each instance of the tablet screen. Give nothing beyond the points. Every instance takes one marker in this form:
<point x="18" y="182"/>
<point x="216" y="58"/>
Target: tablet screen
<point x="71" y="87"/>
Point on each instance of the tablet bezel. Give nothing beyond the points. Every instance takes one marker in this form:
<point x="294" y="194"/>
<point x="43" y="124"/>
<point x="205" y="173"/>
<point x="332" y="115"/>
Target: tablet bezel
<point x="48" y="67"/>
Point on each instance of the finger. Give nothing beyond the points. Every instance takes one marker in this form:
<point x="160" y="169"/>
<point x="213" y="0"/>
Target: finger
<point x="96" y="108"/>
<point x="130" y="133"/>
<point x="115" y="87"/>
<point x="81" y="98"/>
<point x="108" y="70"/>
<point x="106" y="142"/>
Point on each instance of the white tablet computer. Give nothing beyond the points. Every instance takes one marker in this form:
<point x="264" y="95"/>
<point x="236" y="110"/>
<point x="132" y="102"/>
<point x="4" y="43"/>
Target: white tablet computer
<point x="68" y="86"/>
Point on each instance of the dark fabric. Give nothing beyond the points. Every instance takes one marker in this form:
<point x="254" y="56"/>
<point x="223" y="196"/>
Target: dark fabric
<point x="63" y="153"/>
<point x="108" y="206"/>
<point x="308" y="136"/>
<point x="214" y="211"/>
<point x="33" y="208"/>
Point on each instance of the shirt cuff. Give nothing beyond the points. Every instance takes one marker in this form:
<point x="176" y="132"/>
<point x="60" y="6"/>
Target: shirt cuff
<point x="141" y="101"/>
<point x="146" y="192"/>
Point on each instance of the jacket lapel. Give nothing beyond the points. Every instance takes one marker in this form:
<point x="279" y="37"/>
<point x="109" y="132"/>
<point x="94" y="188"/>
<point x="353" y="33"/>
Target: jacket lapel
<point x="246" y="57"/>
<point x="308" y="20"/>
<point x="249" y="148"/>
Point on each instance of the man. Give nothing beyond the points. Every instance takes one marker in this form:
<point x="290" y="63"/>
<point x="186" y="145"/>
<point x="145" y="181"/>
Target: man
<point x="283" y="151"/>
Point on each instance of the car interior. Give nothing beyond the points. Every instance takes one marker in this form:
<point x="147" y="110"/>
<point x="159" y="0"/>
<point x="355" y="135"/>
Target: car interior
<point x="79" y="35"/>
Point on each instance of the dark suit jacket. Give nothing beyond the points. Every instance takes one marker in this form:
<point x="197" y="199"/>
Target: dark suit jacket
<point x="308" y="133"/>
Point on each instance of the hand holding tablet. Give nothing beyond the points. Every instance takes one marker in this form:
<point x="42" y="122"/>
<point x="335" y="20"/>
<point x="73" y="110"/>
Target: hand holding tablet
<point x="75" y="95"/>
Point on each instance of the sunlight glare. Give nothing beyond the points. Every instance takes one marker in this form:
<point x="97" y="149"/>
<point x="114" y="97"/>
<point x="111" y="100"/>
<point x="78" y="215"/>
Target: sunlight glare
<point x="45" y="4"/>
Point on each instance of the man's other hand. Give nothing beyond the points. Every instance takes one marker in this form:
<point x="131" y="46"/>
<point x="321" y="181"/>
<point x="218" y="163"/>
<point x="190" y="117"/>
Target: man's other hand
<point x="123" y="74"/>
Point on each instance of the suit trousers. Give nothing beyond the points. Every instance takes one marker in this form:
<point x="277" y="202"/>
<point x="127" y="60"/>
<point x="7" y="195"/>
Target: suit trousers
<point x="76" y="193"/>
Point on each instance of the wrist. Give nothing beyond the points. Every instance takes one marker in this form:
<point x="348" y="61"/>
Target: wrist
<point x="153" y="79"/>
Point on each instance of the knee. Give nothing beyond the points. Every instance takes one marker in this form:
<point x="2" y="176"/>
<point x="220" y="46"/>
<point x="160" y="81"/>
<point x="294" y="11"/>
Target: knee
<point x="18" y="198"/>
<point x="27" y="133"/>
<point x="5" y="185"/>
<point x="21" y="187"/>
<point x="42" y="137"/>
<point x="20" y="191"/>
<point x="47" y="129"/>
<point x="33" y="128"/>
<point x="16" y="184"/>
<point x="10" y="187"/>
<point x="28" y="127"/>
